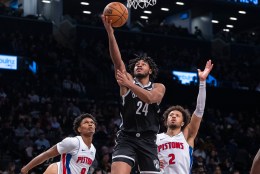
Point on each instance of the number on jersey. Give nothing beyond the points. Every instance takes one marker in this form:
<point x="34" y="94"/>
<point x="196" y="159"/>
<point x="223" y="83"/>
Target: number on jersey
<point x="83" y="171"/>
<point x="142" y="108"/>
<point x="172" y="158"/>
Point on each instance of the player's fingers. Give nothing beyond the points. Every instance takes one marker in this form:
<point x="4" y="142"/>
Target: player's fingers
<point x="161" y="164"/>
<point x="119" y="72"/>
<point x="106" y="19"/>
<point x="120" y="82"/>
<point x="119" y="77"/>
<point x="103" y="18"/>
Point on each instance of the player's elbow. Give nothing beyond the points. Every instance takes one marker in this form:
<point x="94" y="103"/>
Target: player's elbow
<point x="151" y="100"/>
<point x="147" y="100"/>
<point x="155" y="98"/>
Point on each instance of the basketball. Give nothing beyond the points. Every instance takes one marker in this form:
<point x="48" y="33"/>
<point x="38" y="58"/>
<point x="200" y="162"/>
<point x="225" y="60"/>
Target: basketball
<point x="117" y="12"/>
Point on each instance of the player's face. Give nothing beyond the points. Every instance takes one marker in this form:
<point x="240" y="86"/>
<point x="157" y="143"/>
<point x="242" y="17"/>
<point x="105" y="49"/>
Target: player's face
<point x="175" y="119"/>
<point x="87" y="126"/>
<point x="142" y="69"/>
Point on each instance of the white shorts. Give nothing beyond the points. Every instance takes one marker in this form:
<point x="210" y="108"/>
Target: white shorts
<point x="59" y="167"/>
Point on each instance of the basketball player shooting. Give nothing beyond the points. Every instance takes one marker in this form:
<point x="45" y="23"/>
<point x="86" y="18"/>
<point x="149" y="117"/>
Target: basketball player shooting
<point x="139" y="110"/>
<point x="77" y="153"/>
<point x="175" y="147"/>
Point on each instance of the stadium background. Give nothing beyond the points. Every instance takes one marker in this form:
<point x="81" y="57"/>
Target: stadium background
<point x="64" y="69"/>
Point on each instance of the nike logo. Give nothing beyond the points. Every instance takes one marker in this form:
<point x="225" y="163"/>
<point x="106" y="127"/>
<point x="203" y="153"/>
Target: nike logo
<point x="83" y="150"/>
<point x="162" y="139"/>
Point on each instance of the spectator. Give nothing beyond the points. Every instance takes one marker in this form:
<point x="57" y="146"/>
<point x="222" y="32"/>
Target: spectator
<point x="217" y="170"/>
<point x="36" y="131"/>
<point x="73" y="111"/>
<point x="33" y="97"/>
<point x="11" y="169"/>
<point x="21" y="130"/>
<point x="42" y="143"/>
<point x="25" y="142"/>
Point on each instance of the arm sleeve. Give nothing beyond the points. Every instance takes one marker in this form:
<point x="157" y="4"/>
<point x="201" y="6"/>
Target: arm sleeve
<point x="67" y="145"/>
<point x="201" y="100"/>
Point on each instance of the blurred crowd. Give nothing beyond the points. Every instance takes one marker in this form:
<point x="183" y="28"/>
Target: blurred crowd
<point x="157" y="26"/>
<point x="37" y="110"/>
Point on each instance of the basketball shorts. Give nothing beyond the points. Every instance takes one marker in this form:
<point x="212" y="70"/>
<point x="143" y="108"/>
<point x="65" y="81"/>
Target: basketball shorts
<point x="137" y="149"/>
<point x="59" y="167"/>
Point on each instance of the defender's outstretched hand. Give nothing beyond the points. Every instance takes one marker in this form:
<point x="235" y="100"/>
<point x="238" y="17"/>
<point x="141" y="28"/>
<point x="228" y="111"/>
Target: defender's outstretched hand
<point x="204" y="74"/>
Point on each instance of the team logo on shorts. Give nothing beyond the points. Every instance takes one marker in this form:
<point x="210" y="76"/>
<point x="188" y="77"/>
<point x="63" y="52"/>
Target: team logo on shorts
<point x="156" y="164"/>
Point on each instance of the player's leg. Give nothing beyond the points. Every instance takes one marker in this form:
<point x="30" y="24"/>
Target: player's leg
<point x="147" y="157"/>
<point x="52" y="169"/>
<point x="123" y="157"/>
<point x="119" y="167"/>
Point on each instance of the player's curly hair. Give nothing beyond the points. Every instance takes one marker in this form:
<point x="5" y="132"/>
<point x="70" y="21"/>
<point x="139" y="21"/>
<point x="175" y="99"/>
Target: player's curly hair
<point x="78" y="120"/>
<point x="150" y="62"/>
<point x="185" y="114"/>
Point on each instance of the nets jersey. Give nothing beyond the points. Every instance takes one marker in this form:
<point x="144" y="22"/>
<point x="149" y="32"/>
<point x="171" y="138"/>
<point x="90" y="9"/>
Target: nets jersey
<point x="76" y="157"/>
<point x="175" y="152"/>
<point x="138" y="116"/>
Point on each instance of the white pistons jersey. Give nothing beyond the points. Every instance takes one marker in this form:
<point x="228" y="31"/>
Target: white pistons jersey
<point x="76" y="157"/>
<point x="175" y="152"/>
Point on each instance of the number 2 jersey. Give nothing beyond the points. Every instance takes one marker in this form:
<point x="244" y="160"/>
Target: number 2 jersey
<point x="175" y="152"/>
<point x="76" y="157"/>
<point x="138" y="116"/>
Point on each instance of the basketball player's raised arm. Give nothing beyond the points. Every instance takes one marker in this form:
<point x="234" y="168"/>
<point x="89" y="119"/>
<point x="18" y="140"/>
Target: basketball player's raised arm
<point x="50" y="153"/>
<point x="113" y="46"/>
<point x="153" y="96"/>
<point x="191" y="130"/>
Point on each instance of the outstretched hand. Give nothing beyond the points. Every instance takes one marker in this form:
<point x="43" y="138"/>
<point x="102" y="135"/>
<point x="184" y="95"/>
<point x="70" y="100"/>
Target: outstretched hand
<point x="204" y="74"/>
<point x="107" y="24"/>
<point x="122" y="79"/>
<point x="161" y="164"/>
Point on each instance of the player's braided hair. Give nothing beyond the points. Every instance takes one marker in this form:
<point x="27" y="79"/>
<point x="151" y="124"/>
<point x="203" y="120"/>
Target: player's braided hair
<point x="150" y="62"/>
<point x="185" y="114"/>
<point x="78" y="120"/>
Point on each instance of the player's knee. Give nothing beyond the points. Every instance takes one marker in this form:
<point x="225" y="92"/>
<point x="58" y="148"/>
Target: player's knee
<point x="120" y="168"/>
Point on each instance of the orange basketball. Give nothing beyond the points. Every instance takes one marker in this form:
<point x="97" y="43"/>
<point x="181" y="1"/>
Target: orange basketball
<point x="117" y="12"/>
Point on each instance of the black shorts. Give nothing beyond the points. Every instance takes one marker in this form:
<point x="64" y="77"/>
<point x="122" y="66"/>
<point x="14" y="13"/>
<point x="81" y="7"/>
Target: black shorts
<point x="137" y="148"/>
